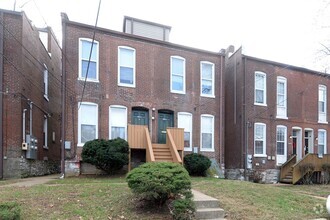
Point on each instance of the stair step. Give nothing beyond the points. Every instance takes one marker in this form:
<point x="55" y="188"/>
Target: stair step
<point x="167" y="153"/>
<point x="158" y="146"/>
<point x="286" y="180"/>
<point x="210" y="213"/>
<point x="206" y="204"/>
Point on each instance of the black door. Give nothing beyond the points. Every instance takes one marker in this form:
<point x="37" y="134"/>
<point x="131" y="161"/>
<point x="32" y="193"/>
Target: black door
<point x="140" y="117"/>
<point x="164" y="120"/>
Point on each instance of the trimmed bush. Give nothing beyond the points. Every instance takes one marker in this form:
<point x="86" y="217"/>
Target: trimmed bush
<point x="182" y="209"/>
<point x="196" y="164"/>
<point x="10" y="211"/>
<point x="107" y="155"/>
<point x="159" y="182"/>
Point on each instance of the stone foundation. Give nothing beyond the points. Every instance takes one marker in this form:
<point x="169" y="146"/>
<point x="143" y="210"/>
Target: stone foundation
<point x="234" y="174"/>
<point x="267" y="176"/>
<point x="21" y="168"/>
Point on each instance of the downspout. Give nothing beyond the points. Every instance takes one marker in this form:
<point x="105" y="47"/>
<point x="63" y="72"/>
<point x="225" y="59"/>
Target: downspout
<point x="1" y="97"/>
<point x="222" y="127"/>
<point x="246" y="123"/>
<point x="63" y="97"/>
<point x="31" y="104"/>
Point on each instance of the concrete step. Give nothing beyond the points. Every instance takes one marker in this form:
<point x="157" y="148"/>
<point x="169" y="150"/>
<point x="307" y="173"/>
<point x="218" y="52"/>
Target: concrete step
<point x="210" y="213"/>
<point x="206" y="204"/>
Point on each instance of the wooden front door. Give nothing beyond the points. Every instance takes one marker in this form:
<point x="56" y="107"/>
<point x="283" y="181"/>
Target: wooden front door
<point x="140" y="117"/>
<point x="164" y="120"/>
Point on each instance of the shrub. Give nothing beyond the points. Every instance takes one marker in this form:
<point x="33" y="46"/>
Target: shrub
<point x="10" y="211"/>
<point x="159" y="182"/>
<point x="182" y="209"/>
<point x="326" y="171"/>
<point x="307" y="171"/>
<point x="107" y="155"/>
<point x="196" y="164"/>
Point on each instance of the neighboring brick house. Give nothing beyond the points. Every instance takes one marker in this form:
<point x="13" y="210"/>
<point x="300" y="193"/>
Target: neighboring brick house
<point x="138" y="77"/>
<point x="30" y="113"/>
<point x="273" y="111"/>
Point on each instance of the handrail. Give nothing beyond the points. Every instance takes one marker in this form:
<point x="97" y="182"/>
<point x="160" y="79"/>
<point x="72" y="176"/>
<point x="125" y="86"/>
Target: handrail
<point x="150" y="157"/>
<point x="309" y="158"/>
<point x="175" y="155"/>
<point x="286" y="167"/>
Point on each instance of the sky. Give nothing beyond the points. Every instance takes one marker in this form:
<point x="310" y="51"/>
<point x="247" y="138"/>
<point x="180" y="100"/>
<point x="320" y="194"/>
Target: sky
<point x="287" y="31"/>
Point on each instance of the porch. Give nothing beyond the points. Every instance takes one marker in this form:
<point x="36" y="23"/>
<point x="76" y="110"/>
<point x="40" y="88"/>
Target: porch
<point x="291" y="170"/>
<point x="172" y="151"/>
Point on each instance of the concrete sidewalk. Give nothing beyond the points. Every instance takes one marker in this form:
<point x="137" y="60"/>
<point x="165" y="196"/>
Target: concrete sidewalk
<point x="32" y="181"/>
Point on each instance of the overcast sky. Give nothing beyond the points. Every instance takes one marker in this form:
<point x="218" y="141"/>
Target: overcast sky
<point x="288" y="31"/>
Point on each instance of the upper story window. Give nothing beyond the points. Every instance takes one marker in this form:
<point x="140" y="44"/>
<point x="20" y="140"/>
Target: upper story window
<point x="126" y="66"/>
<point x="322" y="104"/>
<point x="178" y="75"/>
<point x="207" y="79"/>
<point x="88" y="51"/>
<point x="260" y="88"/>
<point x="46" y="83"/>
<point x="281" y="98"/>
<point x="207" y="133"/>
<point x="87" y="122"/>
<point x="118" y="122"/>
<point x="185" y="121"/>
<point x="259" y="140"/>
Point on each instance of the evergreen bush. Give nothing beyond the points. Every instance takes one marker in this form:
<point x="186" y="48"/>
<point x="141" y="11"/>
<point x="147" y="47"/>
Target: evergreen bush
<point x="107" y="155"/>
<point x="10" y="211"/>
<point x="196" y="164"/>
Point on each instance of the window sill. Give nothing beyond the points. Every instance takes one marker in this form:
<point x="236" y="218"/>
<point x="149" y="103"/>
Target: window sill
<point x="46" y="97"/>
<point x="187" y="149"/>
<point x="207" y="96"/>
<point x="282" y="117"/>
<point x="178" y="92"/>
<point x="260" y="155"/>
<point x="323" y="122"/>
<point x="206" y="150"/>
<point x="260" y="104"/>
<point x="126" y="85"/>
<point x="80" y="145"/>
<point x="89" y="80"/>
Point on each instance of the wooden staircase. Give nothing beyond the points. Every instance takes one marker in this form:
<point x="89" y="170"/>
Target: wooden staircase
<point x="288" y="177"/>
<point x="162" y="153"/>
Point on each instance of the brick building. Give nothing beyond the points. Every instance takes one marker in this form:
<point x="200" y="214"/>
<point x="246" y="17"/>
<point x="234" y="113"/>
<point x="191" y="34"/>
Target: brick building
<point x="273" y="111"/>
<point x="30" y="75"/>
<point x="138" y="77"/>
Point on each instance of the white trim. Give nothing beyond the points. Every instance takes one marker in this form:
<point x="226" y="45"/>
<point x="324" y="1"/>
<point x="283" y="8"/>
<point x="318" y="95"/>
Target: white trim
<point x="124" y="120"/>
<point x="322" y="119"/>
<point x="212" y="95"/>
<point x="311" y="149"/>
<point x="264" y="140"/>
<point x="134" y="66"/>
<point x="212" y="147"/>
<point x="264" y="103"/>
<point x="79" y="121"/>
<point x="281" y="79"/>
<point x="189" y="129"/>
<point x="285" y="141"/>
<point x="183" y="75"/>
<point x="46" y="84"/>
<point x="96" y="46"/>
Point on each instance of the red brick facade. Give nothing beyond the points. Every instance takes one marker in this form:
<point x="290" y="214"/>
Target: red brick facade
<point x="24" y="58"/>
<point x="242" y="113"/>
<point x="152" y="89"/>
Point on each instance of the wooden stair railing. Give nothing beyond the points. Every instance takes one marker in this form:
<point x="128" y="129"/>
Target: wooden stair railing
<point x="150" y="157"/>
<point x="286" y="170"/>
<point x="174" y="151"/>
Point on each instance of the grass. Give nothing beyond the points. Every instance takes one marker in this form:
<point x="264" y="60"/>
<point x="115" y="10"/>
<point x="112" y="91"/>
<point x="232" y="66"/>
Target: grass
<point x="246" y="200"/>
<point x="110" y="198"/>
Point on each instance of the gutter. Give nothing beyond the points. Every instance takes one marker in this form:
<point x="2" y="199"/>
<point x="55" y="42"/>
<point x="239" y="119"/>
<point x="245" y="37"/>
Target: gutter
<point x="1" y="97"/>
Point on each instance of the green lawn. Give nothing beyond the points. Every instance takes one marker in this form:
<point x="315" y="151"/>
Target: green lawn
<point x="110" y="198"/>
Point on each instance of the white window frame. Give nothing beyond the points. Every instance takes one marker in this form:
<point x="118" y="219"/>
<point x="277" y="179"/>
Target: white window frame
<point x="280" y="107"/>
<point x="285" y="139"/>
<point x="264" y="140"/>
<point x="322" y="114"/>
<point x="45" y="131"/>
<point x="184" y="75"/>
<point x="213" y="78"/>
<point x="80" y="119"/>
<point x="325" y="141"/>
<point x="201" y="141"/>
<point x="46" y="83"/>
<point x="264" y="103"/>
<point x="134" y="65"/>
<point x="186" y="129"/>
<point x="96" y="47"/>
<point x="110" y="121"/>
